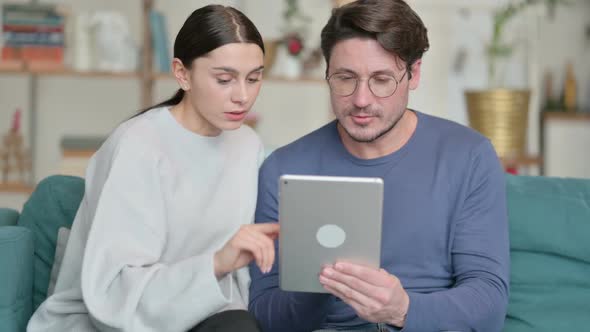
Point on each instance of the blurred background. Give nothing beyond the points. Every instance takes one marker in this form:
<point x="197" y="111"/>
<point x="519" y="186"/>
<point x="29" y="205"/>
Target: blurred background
<point x="72" y="70"/>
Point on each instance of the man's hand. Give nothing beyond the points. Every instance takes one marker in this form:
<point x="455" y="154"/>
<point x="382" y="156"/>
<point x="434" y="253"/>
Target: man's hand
<point x="375" y="295"/>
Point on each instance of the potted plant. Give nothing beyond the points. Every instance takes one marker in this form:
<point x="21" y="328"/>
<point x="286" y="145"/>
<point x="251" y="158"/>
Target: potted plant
<point x="498" y="112"/>
<point x="291" y="45"/>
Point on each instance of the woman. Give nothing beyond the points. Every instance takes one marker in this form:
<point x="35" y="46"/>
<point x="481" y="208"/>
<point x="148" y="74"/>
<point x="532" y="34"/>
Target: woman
<point x="162" y="237"/>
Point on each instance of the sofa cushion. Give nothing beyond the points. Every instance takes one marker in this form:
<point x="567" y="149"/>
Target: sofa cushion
<point x="8" y="217"/>
<point x="16" y="277"/>
<point x="52" y="205"/>
<point x="550" y="254"/>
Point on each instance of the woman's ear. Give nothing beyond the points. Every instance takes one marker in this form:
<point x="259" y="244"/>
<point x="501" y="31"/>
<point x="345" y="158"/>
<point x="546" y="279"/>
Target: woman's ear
<point x="181" y="73"/>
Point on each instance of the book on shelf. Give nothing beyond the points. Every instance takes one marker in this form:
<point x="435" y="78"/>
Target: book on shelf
<point x="76" y="153"/>
<point x="33" y="33"/>
<point x="159" y="35"/>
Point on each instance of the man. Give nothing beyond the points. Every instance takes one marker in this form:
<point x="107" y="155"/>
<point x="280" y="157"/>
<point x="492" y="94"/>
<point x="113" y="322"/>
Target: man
<point x="445" y="252"/>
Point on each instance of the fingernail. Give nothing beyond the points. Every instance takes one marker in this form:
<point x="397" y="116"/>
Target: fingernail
<point x="329" y="271"/>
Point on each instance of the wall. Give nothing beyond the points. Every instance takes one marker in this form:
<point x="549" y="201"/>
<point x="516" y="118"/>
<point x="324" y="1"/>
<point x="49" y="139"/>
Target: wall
<point x="90" y="106"/>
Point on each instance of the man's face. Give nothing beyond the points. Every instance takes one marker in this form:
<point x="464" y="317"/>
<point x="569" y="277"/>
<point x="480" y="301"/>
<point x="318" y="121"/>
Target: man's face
<point x="363" y="115"/>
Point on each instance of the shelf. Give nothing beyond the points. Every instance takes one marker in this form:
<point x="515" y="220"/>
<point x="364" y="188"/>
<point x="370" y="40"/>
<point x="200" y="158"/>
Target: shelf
<point x="15" y="188"/>
<point x="69" y="72"/>
<point x="156" y="76"/>
<point x="523" y="161"/>
<point x="67" y="153"/>
<point x="166" y="76"/>
<point x="571" y="116"/>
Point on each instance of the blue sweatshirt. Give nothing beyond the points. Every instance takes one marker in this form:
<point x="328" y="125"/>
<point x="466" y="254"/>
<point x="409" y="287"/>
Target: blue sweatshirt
<point x="444" y="232"/>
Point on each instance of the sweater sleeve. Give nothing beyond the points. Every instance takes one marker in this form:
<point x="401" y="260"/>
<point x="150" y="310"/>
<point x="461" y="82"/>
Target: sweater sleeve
<point x="277" y="310"/>
<point x="480" y="253"/>
<point x="125" y="284"/>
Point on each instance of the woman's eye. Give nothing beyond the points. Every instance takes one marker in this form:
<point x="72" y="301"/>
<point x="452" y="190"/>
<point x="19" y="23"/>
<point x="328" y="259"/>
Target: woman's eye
<point x="253" y="80"/>
<point x="224" y="79"/>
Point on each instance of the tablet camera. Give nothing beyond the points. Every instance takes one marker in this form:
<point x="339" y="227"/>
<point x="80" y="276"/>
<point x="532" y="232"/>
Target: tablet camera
<point x="331" y="236"/>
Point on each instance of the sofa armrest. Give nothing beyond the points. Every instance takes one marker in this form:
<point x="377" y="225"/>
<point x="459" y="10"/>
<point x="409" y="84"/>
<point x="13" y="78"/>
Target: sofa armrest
<point x="16" y="279"/>
<point x="8" y="217"/>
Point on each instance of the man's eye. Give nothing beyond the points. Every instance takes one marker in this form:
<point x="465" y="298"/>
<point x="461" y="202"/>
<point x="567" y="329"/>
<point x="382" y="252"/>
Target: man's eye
<point x="344" y="77"/>
<point x="382" y="79"/>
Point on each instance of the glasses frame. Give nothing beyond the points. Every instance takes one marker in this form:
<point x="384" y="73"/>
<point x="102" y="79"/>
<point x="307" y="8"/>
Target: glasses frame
<point x="358" y="80"/>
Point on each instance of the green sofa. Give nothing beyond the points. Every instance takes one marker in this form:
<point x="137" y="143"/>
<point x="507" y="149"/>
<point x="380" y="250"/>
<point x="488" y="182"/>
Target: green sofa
<point x="549" y="240"/>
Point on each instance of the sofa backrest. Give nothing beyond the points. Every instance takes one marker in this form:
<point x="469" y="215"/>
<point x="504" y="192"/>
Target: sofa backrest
<point x="52" y="205"/>
<point x="550" y="254"/>
<point x="549" y="245"/>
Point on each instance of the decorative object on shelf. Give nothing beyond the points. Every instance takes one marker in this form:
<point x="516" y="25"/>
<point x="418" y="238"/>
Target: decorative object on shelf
<point x="550" y="103"/>
<point x="570" y="90"/>
<point x="289" y="62"/>
<point x="289" y="56"/>
<point x="113" y="48"/>
<point x="15" y="160"/>
<point x="502" y="116"/>
<point x="101" y="41"/>
<point x="499" y="49"/>
<point x="501" y="113"/>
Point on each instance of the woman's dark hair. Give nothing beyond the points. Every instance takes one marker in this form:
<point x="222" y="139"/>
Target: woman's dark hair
<point x="392" y="23"/>
<point x="206" y="29"/>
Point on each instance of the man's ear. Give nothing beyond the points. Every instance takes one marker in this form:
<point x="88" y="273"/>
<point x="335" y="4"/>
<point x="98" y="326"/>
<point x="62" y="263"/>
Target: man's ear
<point x="181" y="73"/>
<point x="415" y="70"/>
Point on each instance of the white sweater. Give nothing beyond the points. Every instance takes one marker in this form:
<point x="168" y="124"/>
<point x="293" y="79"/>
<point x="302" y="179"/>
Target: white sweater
<point x="159" y="201"/>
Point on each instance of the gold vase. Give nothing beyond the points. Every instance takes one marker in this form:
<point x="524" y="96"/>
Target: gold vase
<point x="502" y="116"/>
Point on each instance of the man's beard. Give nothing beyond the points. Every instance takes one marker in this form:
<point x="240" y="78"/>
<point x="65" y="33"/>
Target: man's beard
<point x="376" y="136"/>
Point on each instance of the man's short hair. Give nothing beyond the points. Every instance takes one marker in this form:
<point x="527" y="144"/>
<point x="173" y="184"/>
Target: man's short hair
<point x="392" y="23"/>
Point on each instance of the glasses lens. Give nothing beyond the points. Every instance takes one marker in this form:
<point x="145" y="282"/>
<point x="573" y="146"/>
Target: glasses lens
<point x="382" y="85"/>
<point x="342" y="84"/>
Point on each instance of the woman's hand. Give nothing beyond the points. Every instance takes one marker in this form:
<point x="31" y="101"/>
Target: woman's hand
<point x="253" y="241"/>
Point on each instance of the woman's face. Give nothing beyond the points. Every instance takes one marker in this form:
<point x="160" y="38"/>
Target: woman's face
<point x="224" y="84"/>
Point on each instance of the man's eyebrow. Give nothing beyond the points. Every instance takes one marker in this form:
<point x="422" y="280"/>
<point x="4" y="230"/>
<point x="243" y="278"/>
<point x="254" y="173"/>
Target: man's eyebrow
<point x="384" y="71"/>
<point x="377" y="72"/>
<point x="344" y="70"/>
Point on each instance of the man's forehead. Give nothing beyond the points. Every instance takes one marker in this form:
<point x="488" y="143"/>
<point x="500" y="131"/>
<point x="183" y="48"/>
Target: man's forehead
<point x="365" y="64"/>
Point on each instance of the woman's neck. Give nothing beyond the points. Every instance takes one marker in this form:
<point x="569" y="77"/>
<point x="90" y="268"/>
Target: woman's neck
<point x="192" y="120"/>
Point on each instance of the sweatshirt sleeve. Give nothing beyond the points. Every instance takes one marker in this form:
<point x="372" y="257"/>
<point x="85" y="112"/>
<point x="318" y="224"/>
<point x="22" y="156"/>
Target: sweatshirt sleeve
<point x="125" y="284"/>
<point x="480" y="252"/>
<point x="277" y="310"/>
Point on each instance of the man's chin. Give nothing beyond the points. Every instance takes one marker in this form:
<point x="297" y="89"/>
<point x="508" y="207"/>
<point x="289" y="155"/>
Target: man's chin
<point x="365" y="134"/>
<point x="360" y="134"/>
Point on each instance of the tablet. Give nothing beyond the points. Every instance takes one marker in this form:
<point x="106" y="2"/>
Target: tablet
<point x="325" y="219"/>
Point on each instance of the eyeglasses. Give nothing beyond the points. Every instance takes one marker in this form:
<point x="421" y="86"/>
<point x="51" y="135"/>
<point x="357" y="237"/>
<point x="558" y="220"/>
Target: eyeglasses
<point x="381" y="85"/>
